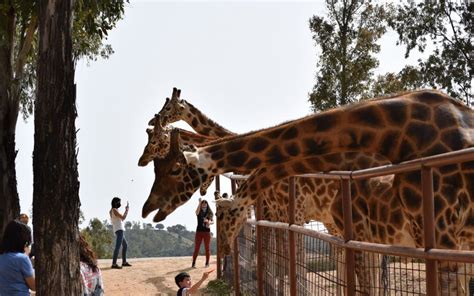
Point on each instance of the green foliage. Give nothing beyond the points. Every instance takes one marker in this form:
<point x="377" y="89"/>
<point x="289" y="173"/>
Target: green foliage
<point x="347" y="40"/>
<point x="445" y="28"/>
<point x="408" y="78"/>
<point x="99" y="237"/>
<point x="217" y="287"/>
<point x="92" y="22"/>
<point x="321" y="264"/>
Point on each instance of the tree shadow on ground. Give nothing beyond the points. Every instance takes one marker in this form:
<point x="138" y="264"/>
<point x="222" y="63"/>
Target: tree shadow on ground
<point x="158" y="282"/>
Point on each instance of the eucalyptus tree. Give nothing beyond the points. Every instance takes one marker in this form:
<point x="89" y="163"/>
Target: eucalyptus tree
<point x="443" y="30"/>
<point x="18" y="56"/>
<point x="347" y="41"/>
<point x="56" y="183"/>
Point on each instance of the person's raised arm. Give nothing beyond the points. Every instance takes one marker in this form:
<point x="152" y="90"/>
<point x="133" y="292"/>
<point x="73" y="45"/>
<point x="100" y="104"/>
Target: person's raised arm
<point x="126" y="212"/>
<point x="117" y="213"/>
<point x="198" y="207"/>
<point x="195" y="288"/>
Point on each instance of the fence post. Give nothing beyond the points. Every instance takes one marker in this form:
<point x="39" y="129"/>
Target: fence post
<point x="429" y="229"/>
<point x="291" y="235"/>
<point x="348" y="235"/>
<point x="219" y="265"/>
<point x="236" y="254"/>
<point x="260" y="260"/>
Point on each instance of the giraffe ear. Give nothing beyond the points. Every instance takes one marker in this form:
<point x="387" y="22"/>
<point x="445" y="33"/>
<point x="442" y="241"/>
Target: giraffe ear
<point x="191" y="157"/>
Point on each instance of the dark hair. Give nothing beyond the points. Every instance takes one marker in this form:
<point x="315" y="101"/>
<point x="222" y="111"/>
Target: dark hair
<point x="116" y="203"/>
<point x="180" y="277"/>
<point x="15" y="238"/>
<point x="86" y="254"/>
<point x="208" y="214"/>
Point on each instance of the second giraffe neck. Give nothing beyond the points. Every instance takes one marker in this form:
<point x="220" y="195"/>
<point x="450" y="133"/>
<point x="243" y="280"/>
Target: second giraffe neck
<point x="203" y="124"/>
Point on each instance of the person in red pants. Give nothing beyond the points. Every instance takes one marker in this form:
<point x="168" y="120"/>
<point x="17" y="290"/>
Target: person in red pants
<point x="203" y="232"/>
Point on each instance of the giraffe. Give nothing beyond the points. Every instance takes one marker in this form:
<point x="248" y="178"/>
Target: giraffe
<point x="317" y="194"/>
<point x="176" y="109"/>
<point x="399" y="127"/>
<point x="279" y="208"/>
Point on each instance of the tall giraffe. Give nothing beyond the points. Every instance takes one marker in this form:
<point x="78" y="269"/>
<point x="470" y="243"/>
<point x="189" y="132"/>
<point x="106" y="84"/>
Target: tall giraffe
<point x="317" y="196"/>
<point x="175" y="109"/>
<point x="274" y="208"/>
<point x="401" y="127"/>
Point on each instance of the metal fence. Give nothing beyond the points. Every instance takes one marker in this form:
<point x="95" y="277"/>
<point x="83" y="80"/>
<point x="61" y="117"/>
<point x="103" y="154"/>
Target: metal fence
<point x="274" y="258"/>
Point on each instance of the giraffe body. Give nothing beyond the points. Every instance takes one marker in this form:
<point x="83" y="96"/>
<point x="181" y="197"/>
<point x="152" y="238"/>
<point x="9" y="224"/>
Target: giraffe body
<point x="402" y="127"/>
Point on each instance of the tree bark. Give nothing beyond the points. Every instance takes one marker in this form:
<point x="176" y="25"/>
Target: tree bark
<point x="9" y="107"/>
<point x="56" y="186"/>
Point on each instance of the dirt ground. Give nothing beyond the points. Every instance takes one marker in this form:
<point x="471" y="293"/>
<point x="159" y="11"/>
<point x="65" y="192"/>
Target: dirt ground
<point x="152" y="276"/>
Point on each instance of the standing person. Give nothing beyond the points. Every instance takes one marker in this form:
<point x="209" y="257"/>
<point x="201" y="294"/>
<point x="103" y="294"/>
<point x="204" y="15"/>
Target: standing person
<point x="203" y="232"/>
<point x="91" y="277"/>
<point x="25" y="220"/>
<point x="117" y="225"/>
<point x="16" y="272"/>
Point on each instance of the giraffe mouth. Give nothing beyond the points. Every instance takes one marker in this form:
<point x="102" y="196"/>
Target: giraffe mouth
<point x="142" y="161"/>
<point x="160" y="216"/>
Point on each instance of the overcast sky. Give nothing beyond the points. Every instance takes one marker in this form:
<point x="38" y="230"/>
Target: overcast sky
<point x="247" y="65"/>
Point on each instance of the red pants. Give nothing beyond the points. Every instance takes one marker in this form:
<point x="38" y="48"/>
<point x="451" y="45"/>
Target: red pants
<point x="206" y="236"/>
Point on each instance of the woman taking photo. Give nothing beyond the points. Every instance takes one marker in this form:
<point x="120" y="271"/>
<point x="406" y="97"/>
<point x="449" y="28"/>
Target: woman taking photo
<point x="203" y="232"/>
<point x="117" y="218"/>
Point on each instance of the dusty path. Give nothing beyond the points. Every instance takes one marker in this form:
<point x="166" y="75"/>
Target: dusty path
<point x="151" y="276"/>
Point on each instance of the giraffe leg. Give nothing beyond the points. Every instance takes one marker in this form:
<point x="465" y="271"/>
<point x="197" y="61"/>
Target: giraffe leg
<point x="368" y="273"/>
<point x="451" y="279"/>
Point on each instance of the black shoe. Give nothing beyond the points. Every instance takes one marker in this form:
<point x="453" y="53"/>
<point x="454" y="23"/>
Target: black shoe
<point x="207" y="265"/>
<point x="115" y="266"/>
<point x="126" y="264"/>
<point x="194" y="265"/>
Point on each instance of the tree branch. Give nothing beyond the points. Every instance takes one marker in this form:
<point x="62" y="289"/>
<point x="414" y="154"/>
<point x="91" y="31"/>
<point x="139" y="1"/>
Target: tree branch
<point x="25" y="49"/>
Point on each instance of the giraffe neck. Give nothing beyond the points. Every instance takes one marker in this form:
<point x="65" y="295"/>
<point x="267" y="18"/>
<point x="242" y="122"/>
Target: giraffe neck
<point x="190" y="138"/>
<point x="398" y="128"/>
<point x="203" y="124"/>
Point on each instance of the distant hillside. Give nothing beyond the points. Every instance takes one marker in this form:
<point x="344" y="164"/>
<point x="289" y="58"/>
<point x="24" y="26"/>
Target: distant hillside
<point x="144" y="240"/>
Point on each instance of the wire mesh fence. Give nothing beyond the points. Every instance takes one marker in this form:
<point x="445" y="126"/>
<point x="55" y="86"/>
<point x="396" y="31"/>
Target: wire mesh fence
<point x="320" y="268"/>
<point x="276" y="258"/>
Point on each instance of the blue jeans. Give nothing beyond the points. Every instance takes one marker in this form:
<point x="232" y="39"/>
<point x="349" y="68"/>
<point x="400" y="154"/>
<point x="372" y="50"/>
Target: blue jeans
<point x="120" y="240"/>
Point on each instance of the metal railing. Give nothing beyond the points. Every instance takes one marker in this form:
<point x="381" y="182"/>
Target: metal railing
<point x="428" y="254"/>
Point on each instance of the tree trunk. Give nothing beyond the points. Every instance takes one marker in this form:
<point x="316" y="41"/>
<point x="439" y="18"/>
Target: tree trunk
<point x="9" y="203"/>
<point x="56" y="186"/>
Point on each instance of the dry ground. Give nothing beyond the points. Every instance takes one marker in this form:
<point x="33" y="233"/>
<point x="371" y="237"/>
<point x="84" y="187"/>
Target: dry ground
<point x="151" y="276"/>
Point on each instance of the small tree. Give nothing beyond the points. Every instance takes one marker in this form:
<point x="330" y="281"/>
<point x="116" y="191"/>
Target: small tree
<point x="160" y="226"/>
<point x="99" y="237"/>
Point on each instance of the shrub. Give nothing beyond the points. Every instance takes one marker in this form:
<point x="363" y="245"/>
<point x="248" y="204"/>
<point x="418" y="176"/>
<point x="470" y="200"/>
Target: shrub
<point x="321" y="264"/>
<point x="217" y="287"/>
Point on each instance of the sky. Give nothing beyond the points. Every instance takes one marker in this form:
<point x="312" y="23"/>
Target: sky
<point x="247" y="65"/>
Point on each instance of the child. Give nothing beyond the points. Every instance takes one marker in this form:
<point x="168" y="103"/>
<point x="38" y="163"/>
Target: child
<point x="183" y="280"/>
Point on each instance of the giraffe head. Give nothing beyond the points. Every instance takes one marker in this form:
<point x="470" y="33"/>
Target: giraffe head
<point x="175" y="182"/>
<point x="173" y="110"/>
<point x="158" y="143"/>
